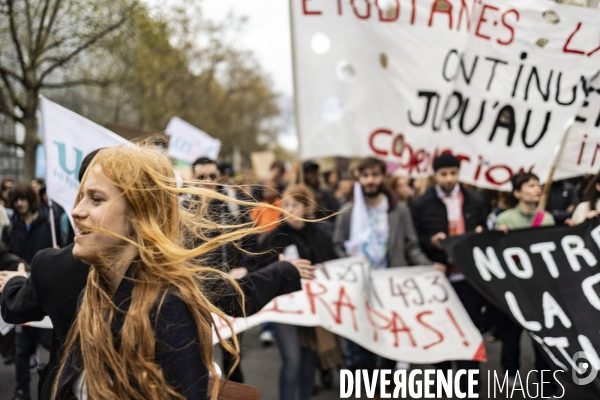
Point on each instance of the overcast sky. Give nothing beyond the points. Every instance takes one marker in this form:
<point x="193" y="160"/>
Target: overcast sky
<point x="267" y="34"/>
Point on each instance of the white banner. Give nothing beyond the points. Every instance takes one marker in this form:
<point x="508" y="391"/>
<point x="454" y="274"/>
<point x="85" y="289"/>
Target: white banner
<point x="188" y="143"/>
<point x="492" y="81"/>
<point x="410" y="314"/>
<point x="580" y="153"/>
<point x="68" y="138"/>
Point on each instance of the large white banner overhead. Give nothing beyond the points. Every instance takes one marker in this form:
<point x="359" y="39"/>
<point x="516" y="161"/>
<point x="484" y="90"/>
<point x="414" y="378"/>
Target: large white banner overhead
<point x="580" y="154"/>
<point x="494" y="81"/>
<point x="410" y="314"/>
<point x="68" y="138"/>
<point x="188" y="143"/>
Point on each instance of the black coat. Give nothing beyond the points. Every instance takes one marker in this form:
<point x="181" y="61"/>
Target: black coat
<point x="562" y="195"/>
<point x="53" y="288"/>
<point x="312" y="242"/>
<point x="8" y="260"/>
<point x="178" y="351"/>
<point x="26" y="242"/>
<point x="430" y="216"/>
<point x="57" y="279"/>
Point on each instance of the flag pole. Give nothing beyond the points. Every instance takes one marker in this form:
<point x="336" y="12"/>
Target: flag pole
<point x="52" y="224"/>
<point x="555" y="159"/>
<point x="300" y="171"/>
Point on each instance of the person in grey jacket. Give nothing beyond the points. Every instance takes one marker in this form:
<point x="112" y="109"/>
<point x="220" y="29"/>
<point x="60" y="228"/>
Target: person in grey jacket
<point x="379" y="228"/>
<point x="388" y="235"/>
<point x="403" y="244"/>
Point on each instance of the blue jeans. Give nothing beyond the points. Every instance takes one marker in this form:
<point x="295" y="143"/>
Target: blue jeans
<point x="26" y="342"/>
<point x="297" y="374"/>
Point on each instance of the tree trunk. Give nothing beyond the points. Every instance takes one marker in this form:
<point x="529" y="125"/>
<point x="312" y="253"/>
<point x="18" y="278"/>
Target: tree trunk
<point x="30" y="145"/>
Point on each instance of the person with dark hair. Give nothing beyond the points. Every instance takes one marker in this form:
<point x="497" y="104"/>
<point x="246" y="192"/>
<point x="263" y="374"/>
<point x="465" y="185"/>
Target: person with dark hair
<point x="326" y="203"/>
<point x="276" y="174"/>
<point x="450" y="209"/>
<point x="379" y="228"/>
<point x="526" y="190"/>
<point x="227" y="258"/>
<point x="562" y="200"/>
<point x="206" y="172"/>
<point x="28" y="233"/>
<point x="5" y="186"/>
<point x="296" y="239"/>
<point x="226" y="170"/>
<point x="29" y="230"/>
<point x="590" y="207"/>
<point x="37" y="184"/>
<point x="332" y="178"/>
<point x="8" y="262"/>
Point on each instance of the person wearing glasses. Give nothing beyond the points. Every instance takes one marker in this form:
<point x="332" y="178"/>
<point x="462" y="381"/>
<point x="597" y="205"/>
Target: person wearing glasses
<point x="207" y="176"/>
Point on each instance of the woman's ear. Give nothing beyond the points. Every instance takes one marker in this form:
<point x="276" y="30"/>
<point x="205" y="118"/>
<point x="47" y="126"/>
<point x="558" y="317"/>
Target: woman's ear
<point x="517" y="194"/>
<point x="598" y="187"/>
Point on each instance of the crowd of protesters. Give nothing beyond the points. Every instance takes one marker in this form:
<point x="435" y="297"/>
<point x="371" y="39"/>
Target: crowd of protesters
<point x="369" y="210"/>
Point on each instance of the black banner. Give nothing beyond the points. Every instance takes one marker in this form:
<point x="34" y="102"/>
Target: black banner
<point x="548" y="281"/>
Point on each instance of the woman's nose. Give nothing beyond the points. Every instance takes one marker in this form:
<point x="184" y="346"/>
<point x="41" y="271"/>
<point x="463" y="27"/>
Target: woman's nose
<point x="79" y="211"/>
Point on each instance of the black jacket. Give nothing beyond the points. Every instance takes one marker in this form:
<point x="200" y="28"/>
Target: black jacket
<point x="26" y="242"/>
<point x="562" y="195"/>
<point x="8" y="261"/>
<point x="312" y="242"/>
<point x="178" y="351"/>
<point x="430" y="216"/>
<point x="53" y="288"/>
<point x="57" y="279"/>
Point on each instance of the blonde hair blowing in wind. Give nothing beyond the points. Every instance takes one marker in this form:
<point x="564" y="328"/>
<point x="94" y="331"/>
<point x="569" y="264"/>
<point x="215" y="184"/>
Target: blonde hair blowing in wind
<point x="169" y="260"/>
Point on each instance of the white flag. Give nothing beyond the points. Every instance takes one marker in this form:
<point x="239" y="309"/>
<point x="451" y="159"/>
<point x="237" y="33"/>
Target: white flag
<point x="189" y="143"/>
<point x="493" y="81"/>
<point x="68" y="138"/>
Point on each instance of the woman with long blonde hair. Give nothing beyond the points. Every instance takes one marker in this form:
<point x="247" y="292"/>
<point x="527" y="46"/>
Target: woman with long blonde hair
<point x="144" y="327"/>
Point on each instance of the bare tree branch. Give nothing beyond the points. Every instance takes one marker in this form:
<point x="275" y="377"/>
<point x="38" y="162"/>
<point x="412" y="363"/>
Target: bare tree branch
<point x="13" y="97"/>
<point x="66" y="84"/>
<point x="38" y="40"/>
<point x="5" y="108"/>
<point x="29" y="27"/>
<point x="11" y="74"/>
<point x="10" y="141"/>
<point x="62" y="61"/>
<point x="15" y="36"/>
<point x="45" y="34"/>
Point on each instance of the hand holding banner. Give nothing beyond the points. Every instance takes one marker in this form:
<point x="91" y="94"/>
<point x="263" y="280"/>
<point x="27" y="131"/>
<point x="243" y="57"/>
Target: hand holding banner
<point x="408" y="313"/>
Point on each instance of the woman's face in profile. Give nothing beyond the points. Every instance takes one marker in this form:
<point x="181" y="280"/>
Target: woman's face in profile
<point x="101" y="205"/>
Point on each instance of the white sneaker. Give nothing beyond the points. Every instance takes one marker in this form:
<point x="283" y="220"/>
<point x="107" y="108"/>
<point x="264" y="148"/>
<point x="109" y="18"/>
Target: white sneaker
<point x="266" y="338"/>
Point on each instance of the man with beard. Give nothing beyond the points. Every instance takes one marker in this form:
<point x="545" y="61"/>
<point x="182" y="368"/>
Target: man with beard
<point x="380" y="228"/>
<point x="449" y="209"/>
